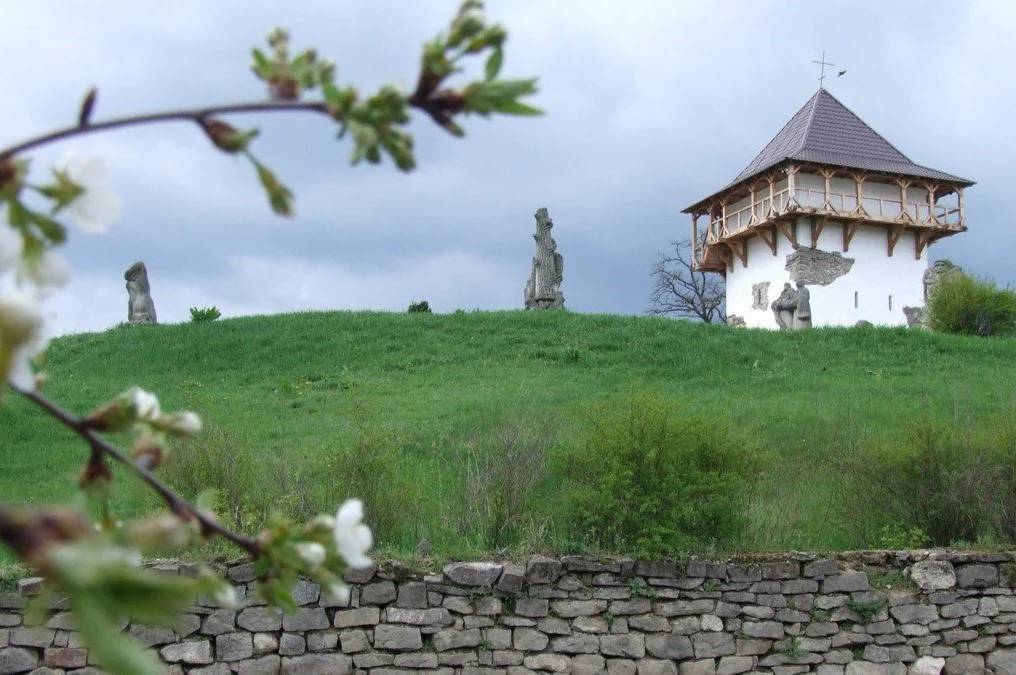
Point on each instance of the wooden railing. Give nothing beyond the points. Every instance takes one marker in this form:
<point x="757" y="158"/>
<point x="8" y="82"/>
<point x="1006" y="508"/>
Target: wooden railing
<point x="842" y="204"/>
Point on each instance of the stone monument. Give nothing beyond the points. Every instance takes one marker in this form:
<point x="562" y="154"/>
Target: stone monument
<point x="543" y="290"/>
<point x="140" y="308"/>
<point x="793" y="308"/>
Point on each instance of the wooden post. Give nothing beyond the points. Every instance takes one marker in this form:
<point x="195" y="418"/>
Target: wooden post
<point x="827" y="174"/>
<point x="859" y="193"/>
<point x="817" y="225"/>
<point x="694" y="237"/>
<point x="959" y="197"/>
<point x="791" y="186"/>
<point x="849" y="230"/>
<point x="931" y="188"/>
<point x="723" y="222"/>
<point x="904" y="214"/>
<point x="753" y="219"/>
<point x="893" y="235"/>
<point x="772" y="195"/>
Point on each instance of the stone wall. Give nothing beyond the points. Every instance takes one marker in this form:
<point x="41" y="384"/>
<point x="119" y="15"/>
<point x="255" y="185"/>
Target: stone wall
<point x="872" y="612"/>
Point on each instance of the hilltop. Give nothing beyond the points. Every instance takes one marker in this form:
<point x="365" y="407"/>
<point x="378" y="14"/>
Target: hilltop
<point x="296" y="390"/>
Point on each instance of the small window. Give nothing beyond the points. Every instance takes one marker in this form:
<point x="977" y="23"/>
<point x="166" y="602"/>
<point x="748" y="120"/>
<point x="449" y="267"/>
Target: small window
<point x="890" y="303"/>
<point x="855" y="300"/>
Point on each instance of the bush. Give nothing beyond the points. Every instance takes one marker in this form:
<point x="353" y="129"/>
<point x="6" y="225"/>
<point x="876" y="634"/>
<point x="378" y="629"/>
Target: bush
<point x="962" y="304"/>
<point x="422" y="307"/>
<point x="204" y="314"/>
<point x="502" y="472"/>
<point x="369" y="469"/>
<point x="247" y="488"/>
<point x="651" y="479"/>
<point x="943" y="485"/>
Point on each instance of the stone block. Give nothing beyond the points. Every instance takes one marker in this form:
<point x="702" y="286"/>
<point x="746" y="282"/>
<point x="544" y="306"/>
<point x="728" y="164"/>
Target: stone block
<point x="712" y="645"/>
<point x="435" y="616"/>
<point x="933" y="575"/>
<point x="532" y="607"/>
<point x="64" y="657"/>
<point x="412" y="595"/>
<point x="17" y="660"/>
<point x="354" y="641"/>
<point x="192" y="652"/>
<point x="218" y="622"/>
<point x="542" y="570"/>
<point x="234" y="646"/>
<point x="511" y="580"/>
<point x="380" y="593"/>
<point x="631" y="645"/>
<point x="364" y="616"/>
<point x="260" y="619"/>
<point x="846" y="582"/>
<point x="473" y="573"/>
<point x="317" y="664"/>
<point x="291" y="644"/>
<point x="265" y="665"/>
<point x="31" y="636"/>
<point x="976" y="576"/>
<point x="553" y="663"/>
<point x="656" y="667"/>
<point x="572" y="608"/>
<point x="666" y="646"/>
<point x="304" y="619"/>
<point x="397" y="638"/>
<point x="446" y="640"/>
<point x="322" y="641"/>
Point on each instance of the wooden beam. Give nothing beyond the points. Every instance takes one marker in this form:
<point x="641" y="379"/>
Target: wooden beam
<point x="768" y="235"/>
<point x="791" y="187"/>
<point x="849" y="230"/>
<point x="827" y="204"/>
<point x="893" y="235"/>
<point x="816" y="229"/>
<point x="772" y="195"/>
<point x="789" y="231"/>
<point x="859" y="179"/>
<point x="921" y="241"/>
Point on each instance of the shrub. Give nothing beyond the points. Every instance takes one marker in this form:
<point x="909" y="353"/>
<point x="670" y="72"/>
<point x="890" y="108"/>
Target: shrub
<point x="502" y="472"/>
<point x="422" y="307"/>
<point x="247" y="488"/>
<point x="943" y="485"/>
<point x="199" y="315"/>
<point x="649" y="478"/>
<point x="962" y="304"/>
<point x="369" y="468"/>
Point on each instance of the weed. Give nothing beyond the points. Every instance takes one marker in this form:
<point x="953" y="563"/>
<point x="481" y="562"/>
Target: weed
<point x="711" y="585"/>
<point x="640" y="589"/>
<point x="866" y="610"/>
<point x="1009" y="572"/>
<point x="820" y="615"/>
<point x="792" y="648"/>
<point x="609" y="618"/>
<point x="892" y="579"/>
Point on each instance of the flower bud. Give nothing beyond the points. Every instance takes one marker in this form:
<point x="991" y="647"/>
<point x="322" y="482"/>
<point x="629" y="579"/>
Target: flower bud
<point x="283" y="88"/>
<point x="337" y="592"/>
<point x="227" y="138"/>
<point x="96" y="472"/>
<point x="34" y="534"/>
<point x="161" y="532"/>
<point x="184" y="423"/>
<point x="148" y="451"/>
<point x="12" y="176"/>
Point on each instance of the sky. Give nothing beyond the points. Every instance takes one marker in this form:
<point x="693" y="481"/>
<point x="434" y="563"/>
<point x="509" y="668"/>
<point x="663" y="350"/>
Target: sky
<point x="650" y="105"/>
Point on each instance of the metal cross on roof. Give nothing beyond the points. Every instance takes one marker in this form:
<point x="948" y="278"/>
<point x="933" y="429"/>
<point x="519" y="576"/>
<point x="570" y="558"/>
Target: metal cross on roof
<point x="822" y="63"/>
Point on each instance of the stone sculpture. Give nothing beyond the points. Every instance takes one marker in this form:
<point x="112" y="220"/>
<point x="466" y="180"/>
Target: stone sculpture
<point x="760" y="295"/>
<point x="140" y="308"/>
<point x="793" y="308"/>
<point x="543" y="290"/>
<point x="917" y="317"/>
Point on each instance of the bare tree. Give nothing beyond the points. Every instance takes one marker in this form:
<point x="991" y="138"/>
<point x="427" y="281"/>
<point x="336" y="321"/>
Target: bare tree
<point x="682" y="290"/>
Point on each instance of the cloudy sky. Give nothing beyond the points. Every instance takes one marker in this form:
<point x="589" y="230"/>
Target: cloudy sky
<point x="650" y="105"/>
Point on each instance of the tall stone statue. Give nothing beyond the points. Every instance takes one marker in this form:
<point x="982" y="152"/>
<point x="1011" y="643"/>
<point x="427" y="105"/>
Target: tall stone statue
<point x="543" y="290"/>
<point x="140" y="308"/>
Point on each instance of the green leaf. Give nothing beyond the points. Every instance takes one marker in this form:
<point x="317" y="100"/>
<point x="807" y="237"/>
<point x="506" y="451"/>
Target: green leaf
<point x="493" y="65"/>
<point x="262" y="66"/>
<point x="49" y="228"/>
<point x="110" y="648"/>
<point x="517" y="108"/>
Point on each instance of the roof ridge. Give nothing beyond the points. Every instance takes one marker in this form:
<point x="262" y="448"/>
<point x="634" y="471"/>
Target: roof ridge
<point x="811" y="118"/>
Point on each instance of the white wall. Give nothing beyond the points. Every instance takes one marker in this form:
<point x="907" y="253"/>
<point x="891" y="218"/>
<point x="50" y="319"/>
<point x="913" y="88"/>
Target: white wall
<point x="874" y="277"/>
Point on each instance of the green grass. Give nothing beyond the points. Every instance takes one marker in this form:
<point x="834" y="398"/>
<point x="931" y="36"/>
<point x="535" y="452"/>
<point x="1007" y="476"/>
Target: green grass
<point x="295" y="386"/>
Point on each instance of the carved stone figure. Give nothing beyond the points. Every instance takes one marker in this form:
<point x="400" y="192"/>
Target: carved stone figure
<point x="543" y="290"/>
<point x="736" y="321"/>
<point x="140" y="308"/>
<point x="802" y="307"/>
<point x="793" y="308"/>
<point x="760" y="295"/>
<point x="936" y="273"/>
<point x="783" y="308"/>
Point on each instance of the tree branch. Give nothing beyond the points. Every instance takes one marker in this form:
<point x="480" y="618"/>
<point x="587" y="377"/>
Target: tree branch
<point x="177" y="504"/>
<point x="187" y="115"/>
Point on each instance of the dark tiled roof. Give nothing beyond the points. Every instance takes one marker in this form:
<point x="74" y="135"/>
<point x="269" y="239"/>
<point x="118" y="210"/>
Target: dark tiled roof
<point x="824" y="131"/>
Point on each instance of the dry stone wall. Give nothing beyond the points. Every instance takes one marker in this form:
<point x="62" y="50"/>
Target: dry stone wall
<point x="875" y="612"/>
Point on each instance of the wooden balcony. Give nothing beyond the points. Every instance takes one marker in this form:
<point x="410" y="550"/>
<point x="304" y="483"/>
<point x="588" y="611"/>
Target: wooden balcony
<point x="770" y="213"/>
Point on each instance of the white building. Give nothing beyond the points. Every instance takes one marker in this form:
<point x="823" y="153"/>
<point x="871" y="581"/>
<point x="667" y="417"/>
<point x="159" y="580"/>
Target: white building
<point x="830" y="203"/>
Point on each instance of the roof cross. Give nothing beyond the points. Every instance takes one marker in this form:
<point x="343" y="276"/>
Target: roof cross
<point x="823" y="63"/>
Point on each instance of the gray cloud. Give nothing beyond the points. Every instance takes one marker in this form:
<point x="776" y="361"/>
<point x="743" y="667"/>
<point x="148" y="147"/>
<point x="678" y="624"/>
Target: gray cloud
<point x="650" y="106"/>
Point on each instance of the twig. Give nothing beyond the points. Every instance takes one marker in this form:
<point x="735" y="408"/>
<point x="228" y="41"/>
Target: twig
<point x="177" y="504"/>
<point x="189" y="115"/>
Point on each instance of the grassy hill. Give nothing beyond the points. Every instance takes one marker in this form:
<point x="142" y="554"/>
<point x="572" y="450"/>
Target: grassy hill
<point x="294" y="400"/>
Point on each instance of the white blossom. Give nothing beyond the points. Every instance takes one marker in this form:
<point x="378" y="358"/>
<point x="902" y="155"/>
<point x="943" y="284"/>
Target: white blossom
<point x="185" y="422"/>
<point x="98" y="206"/>
<point x="352" y="538"/>
<point x="47" y="271"/>
<point x="311" y="553"/>
<point x="226" y="596"/>
<point x="21" y="338"/>
<point x="146" y="404"/>
<point x="338" y="592"/>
